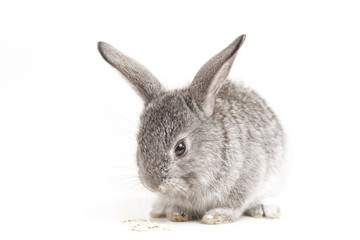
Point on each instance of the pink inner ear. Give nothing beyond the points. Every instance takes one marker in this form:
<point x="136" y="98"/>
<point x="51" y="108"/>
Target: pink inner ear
<point x="216" y="84"/>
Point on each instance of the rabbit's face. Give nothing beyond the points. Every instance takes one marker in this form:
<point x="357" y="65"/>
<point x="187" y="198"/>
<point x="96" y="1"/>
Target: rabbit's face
<point x="164" y="139"/>
<point x="177" y="146"/>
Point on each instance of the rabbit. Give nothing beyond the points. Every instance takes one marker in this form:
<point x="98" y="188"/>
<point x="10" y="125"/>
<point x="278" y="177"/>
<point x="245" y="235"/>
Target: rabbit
<point x="212" y="151"/>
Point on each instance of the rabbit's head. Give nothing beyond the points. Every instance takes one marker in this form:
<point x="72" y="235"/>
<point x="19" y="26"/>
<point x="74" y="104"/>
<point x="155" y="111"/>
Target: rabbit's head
<point x="179" y="145"/>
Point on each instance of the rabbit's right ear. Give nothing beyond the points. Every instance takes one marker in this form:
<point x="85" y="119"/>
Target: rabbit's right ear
<point x="211" y="77"/>
<point x="143" y="81"/>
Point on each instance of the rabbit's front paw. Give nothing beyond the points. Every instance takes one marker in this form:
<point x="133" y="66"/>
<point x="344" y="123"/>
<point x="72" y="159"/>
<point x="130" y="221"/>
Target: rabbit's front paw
<point x="177" y="216"/>
<point x="218" y="216"/>
<point x="264" y="211"/>
<point x="159" y="208"/>
<point x="180" y="217"/>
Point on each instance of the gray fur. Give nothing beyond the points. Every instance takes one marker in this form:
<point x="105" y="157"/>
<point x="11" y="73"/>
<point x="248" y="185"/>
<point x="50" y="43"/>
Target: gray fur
<point x="235" y="143"/>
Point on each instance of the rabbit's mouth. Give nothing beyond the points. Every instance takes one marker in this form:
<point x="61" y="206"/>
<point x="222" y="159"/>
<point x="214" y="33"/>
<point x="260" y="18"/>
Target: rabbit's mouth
<point x="167" y="186"/>
<point x="161" y="189"/>
<point x="149" y="188"/>
<point x="173" y="186"/>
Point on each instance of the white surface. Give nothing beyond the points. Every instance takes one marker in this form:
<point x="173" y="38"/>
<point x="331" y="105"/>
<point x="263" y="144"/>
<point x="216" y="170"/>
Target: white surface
<point x="68" y="120"/>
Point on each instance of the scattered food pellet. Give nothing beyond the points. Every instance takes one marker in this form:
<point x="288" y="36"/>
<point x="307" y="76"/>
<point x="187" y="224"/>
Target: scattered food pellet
<point x="142" y="225"/>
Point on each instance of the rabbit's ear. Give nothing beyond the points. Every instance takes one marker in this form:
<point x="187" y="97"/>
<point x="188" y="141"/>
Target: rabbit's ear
<point x="210" y="78"/>
<point x="144" y="82"/>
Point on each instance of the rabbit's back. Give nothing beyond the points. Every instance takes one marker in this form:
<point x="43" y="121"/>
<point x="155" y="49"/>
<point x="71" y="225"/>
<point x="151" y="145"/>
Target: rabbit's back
<point x="245" y="112"/>
<point x="253" y="138"/>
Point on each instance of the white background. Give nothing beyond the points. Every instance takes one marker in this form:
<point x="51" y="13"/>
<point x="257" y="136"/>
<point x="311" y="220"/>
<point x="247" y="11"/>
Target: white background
<point x="68" y="121"/>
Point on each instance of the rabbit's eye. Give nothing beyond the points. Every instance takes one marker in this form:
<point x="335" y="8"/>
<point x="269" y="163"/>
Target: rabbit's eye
<point x="180" y="149"/>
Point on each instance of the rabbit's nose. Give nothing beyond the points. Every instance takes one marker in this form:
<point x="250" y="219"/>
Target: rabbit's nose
<point x="162" y="189"/>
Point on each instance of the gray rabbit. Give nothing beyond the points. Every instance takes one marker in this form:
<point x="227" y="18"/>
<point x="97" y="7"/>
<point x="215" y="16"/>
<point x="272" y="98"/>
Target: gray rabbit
<point x="211" y="151"/>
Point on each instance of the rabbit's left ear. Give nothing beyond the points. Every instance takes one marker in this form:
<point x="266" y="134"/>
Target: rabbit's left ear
<point x="210" y="78"/>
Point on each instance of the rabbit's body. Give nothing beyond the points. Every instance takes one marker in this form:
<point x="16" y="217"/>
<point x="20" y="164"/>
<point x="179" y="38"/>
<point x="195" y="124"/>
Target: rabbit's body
<point x="213" y="150"/>
<point x="248" y="152"/>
